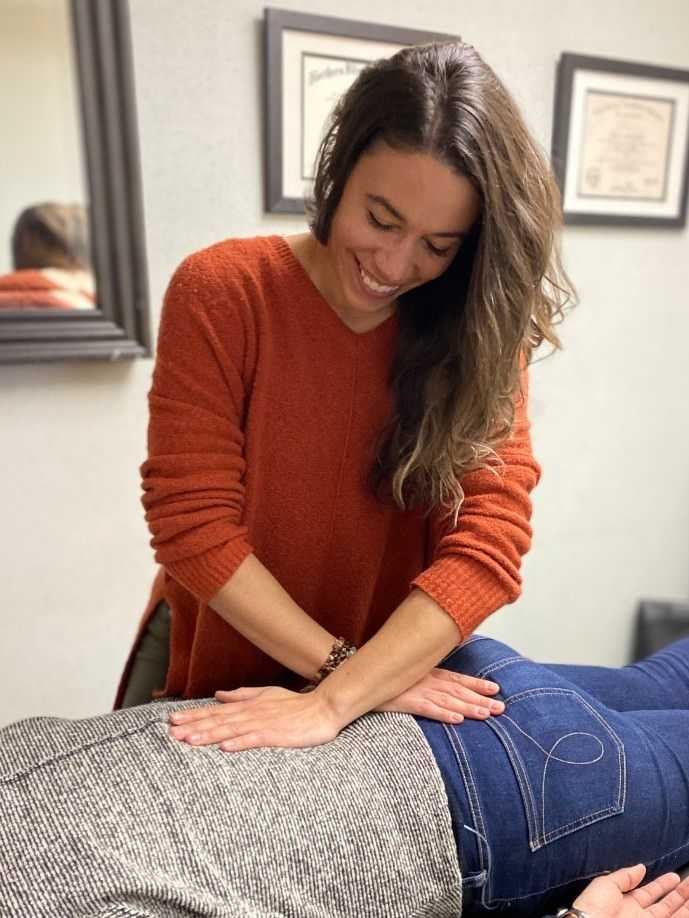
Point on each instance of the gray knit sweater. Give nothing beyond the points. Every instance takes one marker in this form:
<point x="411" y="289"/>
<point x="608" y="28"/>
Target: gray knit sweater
<point x="110" y="817"/>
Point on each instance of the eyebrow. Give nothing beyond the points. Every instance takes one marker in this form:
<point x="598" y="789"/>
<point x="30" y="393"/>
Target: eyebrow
<point x="379" y="199"/>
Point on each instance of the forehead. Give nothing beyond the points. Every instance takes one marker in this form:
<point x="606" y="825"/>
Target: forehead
<point x="426" y="192"/>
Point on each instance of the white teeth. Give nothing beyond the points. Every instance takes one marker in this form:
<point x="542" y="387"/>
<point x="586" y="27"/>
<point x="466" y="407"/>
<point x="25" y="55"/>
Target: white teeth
<point x="374" y="286"/>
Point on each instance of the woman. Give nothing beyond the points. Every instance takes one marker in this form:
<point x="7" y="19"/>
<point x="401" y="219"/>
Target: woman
<point x="341" y="415"/>
<point x="587" y="770"/>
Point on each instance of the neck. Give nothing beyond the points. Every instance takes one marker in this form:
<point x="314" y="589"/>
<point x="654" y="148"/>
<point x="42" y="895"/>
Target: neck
<point x="317" y="265"/>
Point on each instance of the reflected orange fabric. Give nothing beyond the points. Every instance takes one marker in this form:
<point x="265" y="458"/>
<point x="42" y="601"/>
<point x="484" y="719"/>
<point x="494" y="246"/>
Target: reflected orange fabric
<point x="30" y="288"/>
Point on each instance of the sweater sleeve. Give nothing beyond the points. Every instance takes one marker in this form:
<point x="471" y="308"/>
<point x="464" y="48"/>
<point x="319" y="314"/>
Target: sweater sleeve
<point x="193" y="476"/>
<point x="475" y="566"/>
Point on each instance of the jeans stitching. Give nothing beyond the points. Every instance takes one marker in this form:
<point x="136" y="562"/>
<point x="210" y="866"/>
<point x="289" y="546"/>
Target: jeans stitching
<point x="500" y="664"/>
<point x="462" y="760"/>
<point x="519" y="772"/>
<point x="617" y="742"/>
<point x="538" y="835"/>
<point x="586" y="876"/>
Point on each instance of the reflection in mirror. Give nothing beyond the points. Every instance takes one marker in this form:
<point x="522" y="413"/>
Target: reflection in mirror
<point x="44" y="233"/>
<point x="67" y="99"/>
<point x="51" y="265"/>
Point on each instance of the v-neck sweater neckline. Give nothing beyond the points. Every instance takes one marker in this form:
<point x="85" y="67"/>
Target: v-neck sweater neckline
<point x="387" y="328"/>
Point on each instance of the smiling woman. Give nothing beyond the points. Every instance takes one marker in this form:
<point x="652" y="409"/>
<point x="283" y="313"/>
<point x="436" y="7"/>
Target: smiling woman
<point x="389" y="233"/>
<point x="339" y="452"/>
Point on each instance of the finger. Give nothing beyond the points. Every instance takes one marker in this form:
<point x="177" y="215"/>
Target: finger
<point x="190" y="714"/>
<point x="679" y="907"/>
<point x="655" y="890"/>
<point x="481" y="686"/>
<point x="628" y="878"/>
<point x="246" y="741"/>
<point x="216" y="733"/>
<point x="445" y="715"/>
<point x="675" y="902"/>
<point x="204" y="725"/>
<point x="468" y="703"/>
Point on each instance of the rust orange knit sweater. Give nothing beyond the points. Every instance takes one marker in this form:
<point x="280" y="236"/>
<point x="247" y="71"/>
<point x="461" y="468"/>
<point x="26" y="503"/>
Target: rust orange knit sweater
<point x="264" y="409"/>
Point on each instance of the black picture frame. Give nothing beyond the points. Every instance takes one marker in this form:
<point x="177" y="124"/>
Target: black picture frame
<point x="276" y="23"/>
<point x="119" y="326"/>
<point x="608" y="210"/>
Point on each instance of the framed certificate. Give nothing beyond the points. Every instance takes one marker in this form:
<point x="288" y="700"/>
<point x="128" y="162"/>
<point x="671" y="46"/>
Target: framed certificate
<point x="310" y="62"/>
<point x="621" y="142"/>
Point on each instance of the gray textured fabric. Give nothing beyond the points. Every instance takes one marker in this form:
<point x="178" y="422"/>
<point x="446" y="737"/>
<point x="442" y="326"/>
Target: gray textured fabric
<point x="110" y="817"/>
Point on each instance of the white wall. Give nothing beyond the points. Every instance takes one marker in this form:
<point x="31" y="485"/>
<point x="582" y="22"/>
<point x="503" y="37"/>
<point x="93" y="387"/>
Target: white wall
<point x="610" y="413"/>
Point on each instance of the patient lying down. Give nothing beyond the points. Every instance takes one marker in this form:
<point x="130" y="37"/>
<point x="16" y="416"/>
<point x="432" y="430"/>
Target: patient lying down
<point x="396" y="817"/>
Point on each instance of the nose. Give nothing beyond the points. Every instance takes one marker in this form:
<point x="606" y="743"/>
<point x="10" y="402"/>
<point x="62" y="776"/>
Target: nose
<point x="393" y="263"/>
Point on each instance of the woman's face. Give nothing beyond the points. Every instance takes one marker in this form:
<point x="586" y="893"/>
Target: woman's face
<point x="399" y="224"/>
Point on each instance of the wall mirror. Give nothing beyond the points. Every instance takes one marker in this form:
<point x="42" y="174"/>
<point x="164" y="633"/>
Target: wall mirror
<point x="72" y="257"/>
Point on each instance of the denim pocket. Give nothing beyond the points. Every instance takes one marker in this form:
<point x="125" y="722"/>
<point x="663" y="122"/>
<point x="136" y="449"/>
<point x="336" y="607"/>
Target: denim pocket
<point x="569" y="763"/>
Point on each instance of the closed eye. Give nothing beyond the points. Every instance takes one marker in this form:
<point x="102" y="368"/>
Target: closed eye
<point x="383" y="226"/>
<point x="386" y="227"/>
<point x="441" y="253"/>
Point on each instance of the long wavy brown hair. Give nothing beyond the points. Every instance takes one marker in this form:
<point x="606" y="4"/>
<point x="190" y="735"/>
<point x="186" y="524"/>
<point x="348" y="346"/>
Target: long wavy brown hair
<point x="464" y="336"/>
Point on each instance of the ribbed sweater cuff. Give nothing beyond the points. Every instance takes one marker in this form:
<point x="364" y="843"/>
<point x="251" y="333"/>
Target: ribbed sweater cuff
<point x="466" y="590"/>
<point x="203" y="575"/>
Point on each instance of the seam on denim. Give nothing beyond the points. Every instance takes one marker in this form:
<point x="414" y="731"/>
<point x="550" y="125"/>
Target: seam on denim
<point x="500" y="664"/>
<point x="462" y="759"/>
<point x="585" y="876"/>
<point x="538" y="836"/>
<point x="617" y="742"/>
<point x="519" y="771"/>
<point x="476" y="879"/>
<point x="549" y="757"/>
<point x="613" y="809"/>
<point x="667" y="854"/>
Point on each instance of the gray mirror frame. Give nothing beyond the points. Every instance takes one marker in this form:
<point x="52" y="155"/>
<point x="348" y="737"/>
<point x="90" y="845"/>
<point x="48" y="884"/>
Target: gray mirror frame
<point x="119" y="327"/>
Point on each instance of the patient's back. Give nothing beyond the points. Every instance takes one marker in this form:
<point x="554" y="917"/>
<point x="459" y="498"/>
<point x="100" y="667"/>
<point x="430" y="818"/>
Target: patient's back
<point x="109" y="816"/>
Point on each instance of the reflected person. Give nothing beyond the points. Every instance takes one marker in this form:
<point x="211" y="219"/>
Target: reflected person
<point x="51" y="261"/>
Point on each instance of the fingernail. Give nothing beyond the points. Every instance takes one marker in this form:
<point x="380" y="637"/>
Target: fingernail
<point x="493" y="687"/>
<point x="497" y="707"/>
<point x="194" y="738"/>
<point x="227" y="746"/>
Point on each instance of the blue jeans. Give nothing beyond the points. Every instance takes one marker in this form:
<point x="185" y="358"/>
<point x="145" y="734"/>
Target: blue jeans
<point x="586" y="771"/>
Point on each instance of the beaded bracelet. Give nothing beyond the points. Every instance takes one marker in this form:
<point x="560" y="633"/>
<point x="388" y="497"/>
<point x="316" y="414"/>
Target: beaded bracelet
<point x="341" y="650"/>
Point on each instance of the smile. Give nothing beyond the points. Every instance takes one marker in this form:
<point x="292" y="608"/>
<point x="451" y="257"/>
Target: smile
<point x="373" y="286"/>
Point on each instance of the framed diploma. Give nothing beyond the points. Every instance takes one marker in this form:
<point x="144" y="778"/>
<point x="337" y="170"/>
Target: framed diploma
<point x="310" y="61"/>
<point x="621" y="142"/>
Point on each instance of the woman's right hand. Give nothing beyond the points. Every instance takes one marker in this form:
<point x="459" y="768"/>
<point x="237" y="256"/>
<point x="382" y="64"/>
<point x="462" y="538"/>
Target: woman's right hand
<point x="447" y="696"/>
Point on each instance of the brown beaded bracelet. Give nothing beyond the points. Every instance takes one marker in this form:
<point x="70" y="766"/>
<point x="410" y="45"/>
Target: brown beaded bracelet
<point x="341" y="650"/>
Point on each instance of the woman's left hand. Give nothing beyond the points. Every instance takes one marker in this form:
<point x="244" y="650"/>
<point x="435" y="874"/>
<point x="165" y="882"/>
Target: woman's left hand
<point x="252" y="717"/>
<point x="447" y="696"/>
